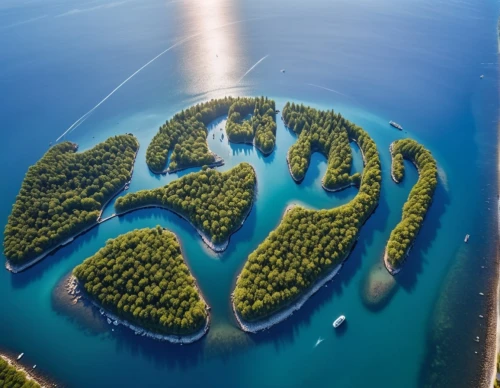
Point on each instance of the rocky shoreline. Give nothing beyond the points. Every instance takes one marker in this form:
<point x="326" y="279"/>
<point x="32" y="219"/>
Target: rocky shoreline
<point x="29" y="374"/>
<point x="280" y="316"/>
<point x="75" y="289"/>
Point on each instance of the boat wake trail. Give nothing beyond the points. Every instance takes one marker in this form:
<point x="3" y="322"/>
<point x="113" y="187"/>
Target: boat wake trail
<point x="253" y="67"/>
<point x="78" y="122"/>
<point x="320" y="340"/>
<point x="330" y="90"/>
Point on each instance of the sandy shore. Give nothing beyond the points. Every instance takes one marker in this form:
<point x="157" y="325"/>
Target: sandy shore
<point x="29" y="374"/>
<point x="75" y="288"/>
<point x="16" y="268"/>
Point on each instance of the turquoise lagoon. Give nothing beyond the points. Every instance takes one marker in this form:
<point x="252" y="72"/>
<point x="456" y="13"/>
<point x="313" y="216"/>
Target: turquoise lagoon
<point x="416" y="62"/>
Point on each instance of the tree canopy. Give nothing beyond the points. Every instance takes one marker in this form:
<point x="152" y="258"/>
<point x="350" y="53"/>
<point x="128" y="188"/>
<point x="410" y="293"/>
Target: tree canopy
<point x="261" y="125"/>
<point x="216" y="203"/>
<point x="307" y="244"/>
<point x="184" y="136"/>
<point x="141" y="277"/>
<point x="320" y="131"/>
<point x="419" y="199"/>
<point x="63" y="193"/>
<point x="13" y="378"/>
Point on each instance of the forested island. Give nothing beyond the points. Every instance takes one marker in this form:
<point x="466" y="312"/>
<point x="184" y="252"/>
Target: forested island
<point x="184" y="136"/>
<point x="417" y="204"/>
<point x="261" y="125"/>
<point x="141" y="278"/>
<point x="216" y="203"/>
<point x="325" y="132"/>
<point x="309" y="246"/>
<point x="63" y="194"/>
<point x="11" y="377"/>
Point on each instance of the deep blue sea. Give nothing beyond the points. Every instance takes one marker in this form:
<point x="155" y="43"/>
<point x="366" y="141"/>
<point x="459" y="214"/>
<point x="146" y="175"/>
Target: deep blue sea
<point x="417" y="62"/>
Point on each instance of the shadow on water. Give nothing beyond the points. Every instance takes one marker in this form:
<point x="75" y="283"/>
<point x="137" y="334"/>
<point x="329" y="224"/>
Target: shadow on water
<point x="24" y="278"/>
<point x="428" y="233"/>
<point x="285" y="332"/>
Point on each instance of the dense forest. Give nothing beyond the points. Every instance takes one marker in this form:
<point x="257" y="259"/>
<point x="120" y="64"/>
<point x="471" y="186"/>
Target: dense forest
<point x="307" y="244"/>
<point x="324" y="132"/>
<point x="419" y="199"/>
<point x="216" y="203"/>
<point x="63" y="193"/>
<point x="141" y="277"/>
<point x="184" y="136"/>
<point x="12" y="378"/>
<point x="261" y="125"/>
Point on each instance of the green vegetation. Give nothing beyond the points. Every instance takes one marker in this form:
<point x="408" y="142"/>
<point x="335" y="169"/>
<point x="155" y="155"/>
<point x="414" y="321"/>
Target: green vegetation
<point x="261" y="125"/>
<point x="307" y="244"/>
<point x="185" y="134"/>
<point x="141" y="277"/>
<point x="324" y="132"/>
<point x="398" y="167"/>
<point x="419" y="200"/>
<point x="63" y="193"/>
<point x="13" y="378"/>
<point x="216" y="203"/>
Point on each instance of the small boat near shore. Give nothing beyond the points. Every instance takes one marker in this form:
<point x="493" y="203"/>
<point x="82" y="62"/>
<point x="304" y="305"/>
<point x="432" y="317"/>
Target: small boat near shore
<point x="339" y="321"/>
<point x="20" y="356"/>
<point x="395" y="125"/>
<point x="466" y="238"/>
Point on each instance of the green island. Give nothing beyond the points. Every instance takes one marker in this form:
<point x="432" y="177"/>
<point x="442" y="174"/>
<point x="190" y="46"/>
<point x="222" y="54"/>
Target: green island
<point x="216" y="203"/>
<point x="11" y="377"/>
<point x="141" y="281"/>
<point x="308" y="247"/>
<point x="324" y="132"/>
<point x="261" y="125"/>
<point x="417" y="204"/>
<point x="63" y="195"/>
<point x="184" y="136"/>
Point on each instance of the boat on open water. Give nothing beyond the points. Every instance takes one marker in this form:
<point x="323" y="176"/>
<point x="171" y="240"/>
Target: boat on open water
<point x="339" y="321"/>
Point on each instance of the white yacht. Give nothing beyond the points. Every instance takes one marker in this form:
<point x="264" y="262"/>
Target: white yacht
<point x="339" y="321"/>
<point x="20" y="356"/>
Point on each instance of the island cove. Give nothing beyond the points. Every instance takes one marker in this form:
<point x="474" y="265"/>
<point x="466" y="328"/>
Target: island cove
<point x="215" y="203"/>
<point x="181" y="142"/>
<point x="306" y="250"/>
<point x="140" y="280"/>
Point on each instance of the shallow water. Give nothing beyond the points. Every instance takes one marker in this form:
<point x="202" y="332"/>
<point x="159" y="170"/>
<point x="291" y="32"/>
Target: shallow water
<point x="416" y="62"/>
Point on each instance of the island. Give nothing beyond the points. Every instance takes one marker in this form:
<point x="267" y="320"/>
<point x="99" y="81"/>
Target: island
<point x="63" y="195"/>
<point x="419" y="200"/>
<point x="182" y="141"/>
<point x="216" y="203"/>
<point x="10" y="376"/>
<point x="324" y="132"/>
<point x="140" y="280"/>
<point x="308" y="247"/>
<point x="259" y="129"/>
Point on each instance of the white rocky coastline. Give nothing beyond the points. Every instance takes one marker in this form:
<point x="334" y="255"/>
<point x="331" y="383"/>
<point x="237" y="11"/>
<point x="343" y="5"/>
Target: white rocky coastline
<point x="254" y="327"/>
<point x="22" y="369"/>
<point x="74" y="289"/>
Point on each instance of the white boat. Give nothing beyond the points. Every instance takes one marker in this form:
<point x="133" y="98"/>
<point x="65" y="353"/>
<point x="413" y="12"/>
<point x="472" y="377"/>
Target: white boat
<point x="20" y="356"/>
<point x="339" y="321"/>
<point x="115" y="323"/>
<point x="34" y="366"/>
<point x="466" y="238"/>
<point x="108" y="320"/>
<point x="282" y="70"/>
<point x="481" y="76"/>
